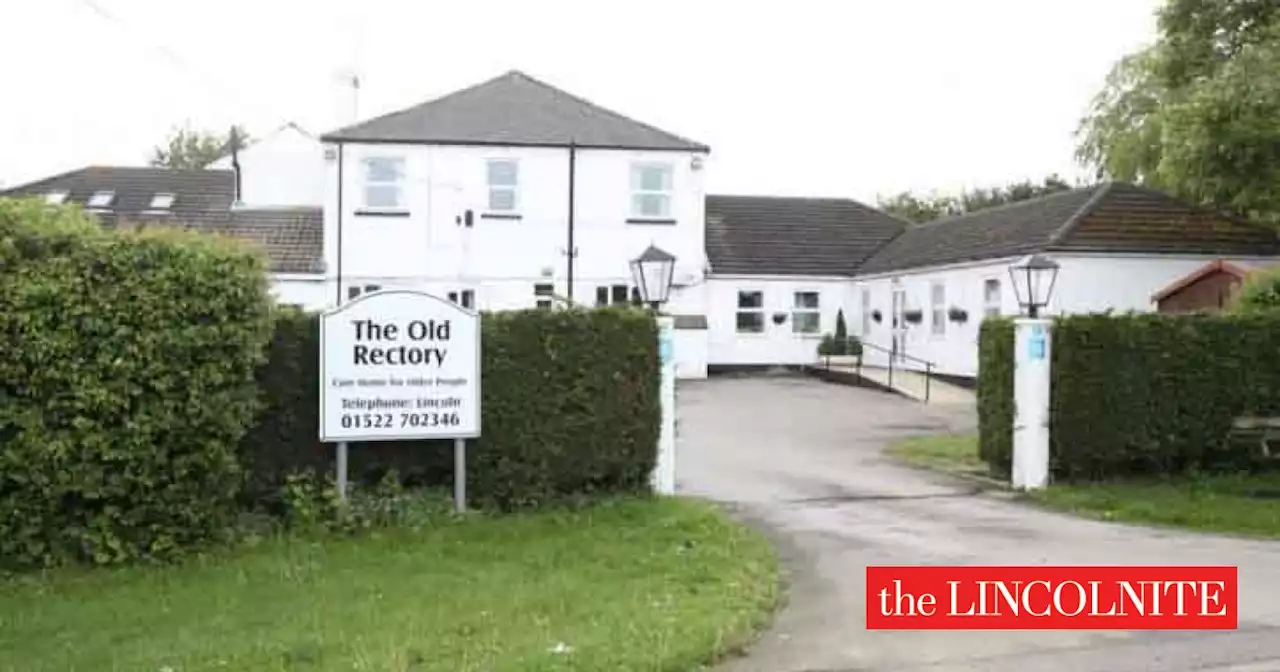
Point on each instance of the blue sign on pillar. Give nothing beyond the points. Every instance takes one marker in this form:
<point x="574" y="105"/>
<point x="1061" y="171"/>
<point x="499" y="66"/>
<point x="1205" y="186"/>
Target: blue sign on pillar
<point x="664" y="345"/>
<point x="1036" y="344"/>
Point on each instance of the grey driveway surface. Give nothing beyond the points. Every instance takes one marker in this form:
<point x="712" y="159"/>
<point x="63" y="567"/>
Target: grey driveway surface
<point x="802" y="460"/>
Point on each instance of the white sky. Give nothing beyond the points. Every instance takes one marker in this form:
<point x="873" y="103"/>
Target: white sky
<point x="853" y="98"/>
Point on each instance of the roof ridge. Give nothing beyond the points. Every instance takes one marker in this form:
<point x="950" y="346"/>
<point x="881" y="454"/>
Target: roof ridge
<point x="622" y="117"/>
<point x="1008" y="206"/>
<point x="429" y="101"/>
<point x="1073" y="222"/>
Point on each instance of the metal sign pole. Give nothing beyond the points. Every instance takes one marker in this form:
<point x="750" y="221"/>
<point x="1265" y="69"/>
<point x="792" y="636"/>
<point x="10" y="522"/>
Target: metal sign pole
<point x="460" y="475"/>
<point x="342" y="471"/>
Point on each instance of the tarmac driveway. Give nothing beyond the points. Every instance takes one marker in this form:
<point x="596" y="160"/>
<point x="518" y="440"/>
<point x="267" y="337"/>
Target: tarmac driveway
<point x="802" y="460"/>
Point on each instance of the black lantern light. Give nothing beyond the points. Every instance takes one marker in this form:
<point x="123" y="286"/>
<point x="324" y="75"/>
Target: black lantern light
<point x="652" y="273"/>
<point x="1033" y="281"/>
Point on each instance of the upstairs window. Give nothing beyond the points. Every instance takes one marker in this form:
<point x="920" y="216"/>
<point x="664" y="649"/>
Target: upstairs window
<point x="384" y="183"/>
<point x="750" y="318"/>
<point x="991" y="298"/>
<point x="101" y="199"/>
<point x="56" y="197"/>
<point x="806" y="318"/>
<point x="504" y="181"/>
<point x="651" y="191"/>
<point x="162" y="201"/>
<point x="543" y="292"/>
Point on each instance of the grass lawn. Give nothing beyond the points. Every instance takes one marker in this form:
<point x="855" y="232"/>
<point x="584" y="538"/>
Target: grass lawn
<point x="627" y="585"/>
<point x="1232" y="504"/>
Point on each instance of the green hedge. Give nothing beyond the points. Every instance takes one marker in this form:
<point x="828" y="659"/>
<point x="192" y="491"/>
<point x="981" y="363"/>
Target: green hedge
<point x="1142" y="394"/>
<point x="569" y="401"/>
<point x="126" y="385"/>
<point x="995" y="393"/>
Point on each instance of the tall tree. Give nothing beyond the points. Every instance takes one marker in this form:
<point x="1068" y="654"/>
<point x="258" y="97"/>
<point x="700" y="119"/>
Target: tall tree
<point x="190" y="149"/>
<point x="1198" y="113"/>
<point x="933" y="206"/>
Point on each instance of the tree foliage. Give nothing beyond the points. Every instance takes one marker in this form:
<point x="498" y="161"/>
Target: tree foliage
<point x="1197" y="114"/>
<point x="1260" y="293"/>
<point x="928" y="207"/>
<point x="190" y="149"/>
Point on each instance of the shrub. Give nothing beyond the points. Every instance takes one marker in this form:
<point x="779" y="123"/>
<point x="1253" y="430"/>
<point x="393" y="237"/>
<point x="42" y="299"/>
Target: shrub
<point x="842" y="330"/>
<point x="1142" y="394"/>
<point x="1259" y="293"/>
<point x="569" y="401"/>
<point x="995" y="393"/>
<point x="834" y="346"/>
<point x="126" y="384"/>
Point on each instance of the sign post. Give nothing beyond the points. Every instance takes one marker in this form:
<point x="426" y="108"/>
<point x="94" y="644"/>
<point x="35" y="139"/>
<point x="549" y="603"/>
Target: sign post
<point x="664" y="473"/>
<point x="400" y="365"/>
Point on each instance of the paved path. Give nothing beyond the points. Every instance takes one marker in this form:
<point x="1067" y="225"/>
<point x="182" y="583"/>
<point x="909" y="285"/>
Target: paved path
<point x="802" y="459"/>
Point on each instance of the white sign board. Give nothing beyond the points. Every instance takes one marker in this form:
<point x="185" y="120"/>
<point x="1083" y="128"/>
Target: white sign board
<point x="399" y="365"/>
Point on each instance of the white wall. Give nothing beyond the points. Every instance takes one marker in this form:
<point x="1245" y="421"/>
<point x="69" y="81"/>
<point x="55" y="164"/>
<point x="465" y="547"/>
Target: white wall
<point x="689" y="346"/>
<point x="510" y="256"/>
<point x="309" y="293"/>
<point x="285" y="168"/>
<point x="778" y="344"/>
<point x="1097" y="282"/>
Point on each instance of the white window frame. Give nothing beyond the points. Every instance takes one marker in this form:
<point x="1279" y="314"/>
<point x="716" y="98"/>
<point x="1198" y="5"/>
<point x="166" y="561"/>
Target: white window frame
<point x="543" y="301"/>
<point x="514" y="187"/>
<point x="989" y="308"/>
<point x="866" y="311"/>
<point x="937" y="308"/>
<point x="611" y="295"/>
<point x="398" y="184"/>
<point x="798" y="311"/>
<point x="162" y="201"/>
<point x="739" y="310"/>
<point x="354" y="291"/>
<point x="464" y="297"/>
<point x="101" y="199"/>
<point x="638" y="192"/>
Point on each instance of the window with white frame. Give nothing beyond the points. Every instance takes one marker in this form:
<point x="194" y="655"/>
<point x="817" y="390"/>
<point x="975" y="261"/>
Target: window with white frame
<point x="465" y="298"/>
<point x="938" y="309"/>
<point x="806" y="317"/>
<point x="750" y="318"/>
<point x="101" y="199"/>
<point x="353" y="292"/>
<point x="866" y="312"/>
<point x="651" y="185"/>
<point x="543" y="293"/>
<point x="162" y="201"/>
<point x="504" y="181"/>
<point x="614" y="295"/>
<point x="991" y="297"/>
<point x="384" y="183"/>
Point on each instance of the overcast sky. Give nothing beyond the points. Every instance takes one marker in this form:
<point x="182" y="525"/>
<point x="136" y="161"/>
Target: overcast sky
<point x="853" y="98"/>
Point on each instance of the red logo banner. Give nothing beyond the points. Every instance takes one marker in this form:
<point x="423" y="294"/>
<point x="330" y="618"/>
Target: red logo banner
<point x="1051" y="598"/>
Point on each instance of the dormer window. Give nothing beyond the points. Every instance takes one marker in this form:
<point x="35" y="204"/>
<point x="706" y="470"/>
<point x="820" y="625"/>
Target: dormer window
<point x="162" y="201"/>
<point x="57" y="197"/>
<point x="101" y="199"/>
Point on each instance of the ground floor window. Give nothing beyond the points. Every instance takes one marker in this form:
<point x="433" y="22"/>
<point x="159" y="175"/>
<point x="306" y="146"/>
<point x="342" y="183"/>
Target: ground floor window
<point x="866" y="312"/>
<point x="938" y="309"/>
<point x="617" y="295"/>
<point x="991" y="298"/>
<point x="750" y="312"/>
<point x="806" y="317"/>
<point x="357" y="290"/>
<point x="543" y="292"/>
<point x="465" y="298"/>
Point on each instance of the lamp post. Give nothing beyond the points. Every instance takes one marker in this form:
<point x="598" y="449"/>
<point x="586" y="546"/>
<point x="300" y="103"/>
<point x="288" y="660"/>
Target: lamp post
<point x="652" y="273"/>
<point x="1033" y="282"/>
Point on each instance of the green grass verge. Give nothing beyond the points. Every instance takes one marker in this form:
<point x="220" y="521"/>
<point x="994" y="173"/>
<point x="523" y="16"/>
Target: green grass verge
<point x="952" y="453"/>
<point x="1242" y="504"/>
<point x="627" y="585"/>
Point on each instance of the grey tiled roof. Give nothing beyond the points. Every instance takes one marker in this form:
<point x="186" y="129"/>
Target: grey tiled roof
<point x="765" y="235"/>
<point x="513" y="109"/>
<point x="291" y="237"/>
<point x="1111" y="217"/>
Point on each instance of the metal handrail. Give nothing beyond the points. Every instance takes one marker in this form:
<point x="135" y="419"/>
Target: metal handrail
<point x="893" y="355"/>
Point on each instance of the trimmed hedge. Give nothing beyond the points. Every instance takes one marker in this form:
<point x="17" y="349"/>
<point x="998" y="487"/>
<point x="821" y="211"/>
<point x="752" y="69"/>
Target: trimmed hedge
<point x="1141" y="394"/>
<point x="569" y="400"/>
<point x="126" y="385"/>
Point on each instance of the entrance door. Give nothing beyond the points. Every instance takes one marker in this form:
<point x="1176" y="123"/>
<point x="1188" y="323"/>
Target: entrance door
<point x="899" y="325"/>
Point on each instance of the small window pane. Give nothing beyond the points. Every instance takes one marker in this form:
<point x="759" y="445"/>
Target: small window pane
<point x="383" y="170"/>
<point x="502" y="199"/>
<point x="651" y="205"/>
<point x="806" y="323"/>
<point x="382" y="196"/>
<point x="353" y="292"/>
<point x="502" y="173"/>
<point x="602" y="296"/>
<point x="101" y="199"/>
<point x="750" y="299"/>
<point x="751" y="322"/>
<point x="939" y="294"/>
<point x="468" y="299"/>
<point x="161" y="201"/>
<point x="806" y="300"/>
<point x="620" y="294"/>
<point x="543" y="290"/>
<point x="655" y="178"/>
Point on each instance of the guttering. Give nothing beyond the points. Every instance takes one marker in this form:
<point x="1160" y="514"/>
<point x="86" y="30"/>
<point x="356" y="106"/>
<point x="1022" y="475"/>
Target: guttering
<point x="697" y="149"/>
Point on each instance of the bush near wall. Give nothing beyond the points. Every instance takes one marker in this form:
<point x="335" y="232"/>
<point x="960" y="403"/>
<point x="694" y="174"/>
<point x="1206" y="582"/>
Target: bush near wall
<point x="126" y="385"/>
<point x="569" y="400"/>
<point x="995" y="393"/>
<point x="1145" y="394"/>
